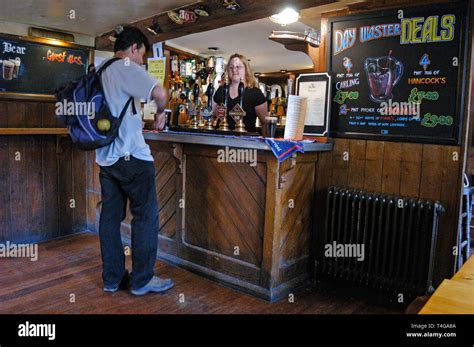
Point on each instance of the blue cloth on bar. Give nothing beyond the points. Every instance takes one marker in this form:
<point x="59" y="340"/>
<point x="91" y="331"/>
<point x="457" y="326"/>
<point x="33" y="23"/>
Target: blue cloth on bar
<point x="284" y="149"/>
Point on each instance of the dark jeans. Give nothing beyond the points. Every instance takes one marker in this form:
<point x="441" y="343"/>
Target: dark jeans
<point x="133" y="179"/>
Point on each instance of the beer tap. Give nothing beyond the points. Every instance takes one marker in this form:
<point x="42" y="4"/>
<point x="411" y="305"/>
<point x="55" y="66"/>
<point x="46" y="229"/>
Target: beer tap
<point x="241" y="93"/>
<point x="225" y="90"/>
<point x="195" y="108"/>
<point x="224" y="126"/>
<point x="206" y="112"/>
<point x="238" y="113"/>
<point x="210" y="94"/>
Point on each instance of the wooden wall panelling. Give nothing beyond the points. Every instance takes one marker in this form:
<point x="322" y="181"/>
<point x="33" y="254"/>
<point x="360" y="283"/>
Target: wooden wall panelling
<point x="37" y="187"/>
<point x="65" y="187"/>
<point x="411" y="160"/>
<point x="340" y="163"/>
<point x="374" y="166"/>
<point x="5" y="212"/>
<point x="431" y="172"/>
<point x="357" y="150"/>
<point x="18" y="173"/>
<point x="79" y="189"/>
<point x="451" y="186"/>
<point x="391" y="172"/>
<point x="35" y="211"/>
<point x="50" y="164"/>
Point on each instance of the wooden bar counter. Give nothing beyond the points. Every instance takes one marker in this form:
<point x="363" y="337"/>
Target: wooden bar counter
<point x="249" y="227"/>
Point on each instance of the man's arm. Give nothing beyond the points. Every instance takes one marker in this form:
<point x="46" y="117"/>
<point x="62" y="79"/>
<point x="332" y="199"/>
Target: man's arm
<point x="160" y="96"/>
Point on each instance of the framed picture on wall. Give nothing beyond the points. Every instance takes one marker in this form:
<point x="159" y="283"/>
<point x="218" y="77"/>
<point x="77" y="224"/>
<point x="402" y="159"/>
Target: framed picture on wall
<point x="316" y="87"/>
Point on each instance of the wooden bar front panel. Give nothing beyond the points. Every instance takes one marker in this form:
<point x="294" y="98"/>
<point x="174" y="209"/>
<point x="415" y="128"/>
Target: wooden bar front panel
<point x="246" y="226"/>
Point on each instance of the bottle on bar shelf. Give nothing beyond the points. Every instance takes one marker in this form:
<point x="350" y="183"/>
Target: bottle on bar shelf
<point x="183" y="106"/>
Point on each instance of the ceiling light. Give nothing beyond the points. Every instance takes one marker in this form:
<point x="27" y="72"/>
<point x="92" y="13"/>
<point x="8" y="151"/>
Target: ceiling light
<point x="287" y="16"/>
<point x="213" y="48"/>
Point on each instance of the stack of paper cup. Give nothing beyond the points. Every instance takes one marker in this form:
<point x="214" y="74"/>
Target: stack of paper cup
<point x="295" y="116"/>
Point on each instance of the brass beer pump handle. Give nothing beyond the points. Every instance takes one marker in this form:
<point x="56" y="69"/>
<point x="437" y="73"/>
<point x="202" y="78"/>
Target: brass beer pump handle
<point x="224" y="126"/>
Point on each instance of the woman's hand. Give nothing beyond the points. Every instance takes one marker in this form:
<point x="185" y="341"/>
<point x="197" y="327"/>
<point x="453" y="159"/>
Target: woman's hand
<point x="160" y="120"/>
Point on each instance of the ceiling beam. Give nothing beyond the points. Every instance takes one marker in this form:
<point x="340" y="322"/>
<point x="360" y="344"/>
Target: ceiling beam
<point x="220" y="17"/>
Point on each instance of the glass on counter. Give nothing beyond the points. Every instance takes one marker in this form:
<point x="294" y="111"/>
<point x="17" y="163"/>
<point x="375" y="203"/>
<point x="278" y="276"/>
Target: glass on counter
<point x="270" y="126"/>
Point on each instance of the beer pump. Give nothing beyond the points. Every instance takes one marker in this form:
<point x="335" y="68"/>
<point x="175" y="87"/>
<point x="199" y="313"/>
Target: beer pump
<point x="194" y="108"/>
<point x="206" y="112"/>
<point x="224" y="126"/>
<point x="238" y="112"/>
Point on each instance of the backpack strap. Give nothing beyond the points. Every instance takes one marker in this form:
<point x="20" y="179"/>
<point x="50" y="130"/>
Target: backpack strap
<point x="124" y="110"/>
<point x="107" y="64"/>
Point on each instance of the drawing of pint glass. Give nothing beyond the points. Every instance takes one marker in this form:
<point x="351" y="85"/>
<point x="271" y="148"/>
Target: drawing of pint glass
<point x="16" y="71"/>
<point x="383" y="73"/>
<point x="8" y="68"/>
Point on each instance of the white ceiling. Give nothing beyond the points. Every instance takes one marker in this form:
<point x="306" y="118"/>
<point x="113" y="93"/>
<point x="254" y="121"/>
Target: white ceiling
<point x="93" y="17"/>
<point x="251" y="40"/>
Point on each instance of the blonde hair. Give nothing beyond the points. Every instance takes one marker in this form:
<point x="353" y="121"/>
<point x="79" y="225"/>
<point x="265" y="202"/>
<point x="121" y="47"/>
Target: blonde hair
<point x="250" y="80"/>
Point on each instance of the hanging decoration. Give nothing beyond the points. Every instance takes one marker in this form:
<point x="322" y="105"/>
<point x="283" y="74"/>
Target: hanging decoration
<point x="231" y="5"/>
<point x="175" y="17"/>
<point x="202" y="11"/>
<point x="187" y="16"/>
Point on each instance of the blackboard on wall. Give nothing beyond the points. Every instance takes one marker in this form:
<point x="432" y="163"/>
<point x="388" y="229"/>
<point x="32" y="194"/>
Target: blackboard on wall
<point x="35" y="68"/>
<point x="399" y="74"/>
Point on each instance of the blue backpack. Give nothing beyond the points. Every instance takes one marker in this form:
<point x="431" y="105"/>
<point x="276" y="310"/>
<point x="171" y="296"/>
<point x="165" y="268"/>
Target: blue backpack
<point x="86" y="113"/>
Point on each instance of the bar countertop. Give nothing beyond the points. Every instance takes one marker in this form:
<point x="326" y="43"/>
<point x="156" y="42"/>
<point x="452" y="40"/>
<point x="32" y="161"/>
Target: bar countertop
<point x="218" y="140"/>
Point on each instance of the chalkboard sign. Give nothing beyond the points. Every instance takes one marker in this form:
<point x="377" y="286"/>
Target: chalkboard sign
<point x="35" y="68"/>
<point x="399" y="74"/>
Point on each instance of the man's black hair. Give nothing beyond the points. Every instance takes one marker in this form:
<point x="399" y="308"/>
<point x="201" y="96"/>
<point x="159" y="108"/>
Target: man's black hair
<point x="128" y="37"/>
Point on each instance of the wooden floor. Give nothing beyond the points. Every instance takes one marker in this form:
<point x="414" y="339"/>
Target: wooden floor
<point x="70" y="268"/>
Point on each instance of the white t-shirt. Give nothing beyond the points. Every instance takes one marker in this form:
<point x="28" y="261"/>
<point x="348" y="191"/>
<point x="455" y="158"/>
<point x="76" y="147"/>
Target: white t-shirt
<point x="121" y="80"/>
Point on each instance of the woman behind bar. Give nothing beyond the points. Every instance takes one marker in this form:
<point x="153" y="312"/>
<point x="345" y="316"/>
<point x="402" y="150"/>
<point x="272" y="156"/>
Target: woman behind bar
<point x="254" y="102"/>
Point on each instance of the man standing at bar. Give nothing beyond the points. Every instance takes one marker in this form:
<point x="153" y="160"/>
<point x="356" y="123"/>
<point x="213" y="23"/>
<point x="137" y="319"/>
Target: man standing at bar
<point x="127" y="171"/>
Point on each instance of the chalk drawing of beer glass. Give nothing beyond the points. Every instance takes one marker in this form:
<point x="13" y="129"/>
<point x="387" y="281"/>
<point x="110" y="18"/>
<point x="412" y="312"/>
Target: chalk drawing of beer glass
<point x="383" y="73"/>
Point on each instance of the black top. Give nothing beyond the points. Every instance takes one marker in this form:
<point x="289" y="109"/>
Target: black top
<point x="252" y="97"/>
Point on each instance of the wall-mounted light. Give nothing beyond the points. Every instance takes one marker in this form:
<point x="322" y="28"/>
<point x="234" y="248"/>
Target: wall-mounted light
<point x="256" y="74"/>
<point x="287" y="16"/>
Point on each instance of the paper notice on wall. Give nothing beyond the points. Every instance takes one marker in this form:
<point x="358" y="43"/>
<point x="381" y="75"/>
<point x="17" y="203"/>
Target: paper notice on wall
<point x="158" y="50"/>
<point x="156" y="68"/>
<point x="315" y="92"/>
